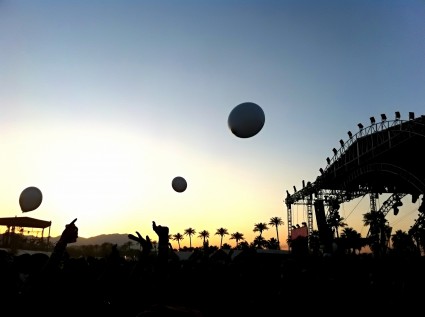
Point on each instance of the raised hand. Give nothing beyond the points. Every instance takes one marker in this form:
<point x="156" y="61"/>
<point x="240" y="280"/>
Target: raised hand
<point x="145" y="243"/>
<point x="162" y="232"/>
<point x="70" y="234"/>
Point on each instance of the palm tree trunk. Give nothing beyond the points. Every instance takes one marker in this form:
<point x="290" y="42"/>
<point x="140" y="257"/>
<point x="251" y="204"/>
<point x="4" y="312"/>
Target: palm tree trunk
<point x="277" y="236"/>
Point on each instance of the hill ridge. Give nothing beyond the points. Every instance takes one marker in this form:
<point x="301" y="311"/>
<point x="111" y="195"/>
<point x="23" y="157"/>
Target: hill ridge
<point x="114" y="238"/>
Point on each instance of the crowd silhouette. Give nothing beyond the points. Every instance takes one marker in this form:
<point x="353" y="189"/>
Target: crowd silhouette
<point x="206" y="284"/>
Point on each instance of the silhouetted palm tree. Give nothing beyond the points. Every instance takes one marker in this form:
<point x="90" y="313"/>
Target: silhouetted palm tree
<point x="335" y="221"/>
<point x="403" y="243"/>
<point x="259" y="242"/>
<point x="244" y="245"/>
<point x="226" y="246"/>
<point x="189" y="232"/>
<point x="272" y="244"/>
<point x="238" y="237"/>
<point x="260" y="227"/>
<point x="379" y="232"/>
<point x="178" y="237"/>
<point x="204" y="234"/>
<point x="221" y="232"/>
<point x="276" y="222"/>
<point x="352" y="240"/>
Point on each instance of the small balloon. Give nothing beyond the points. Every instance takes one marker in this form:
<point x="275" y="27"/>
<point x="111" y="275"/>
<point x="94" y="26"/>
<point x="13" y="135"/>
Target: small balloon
<point x="246" y="120"/>
<point x="179" y="184"/>
<point x="30" y="199"/>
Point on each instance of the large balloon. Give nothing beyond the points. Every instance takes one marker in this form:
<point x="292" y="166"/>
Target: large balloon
<point x="30" y="199"/>
<point x="246" y="120"/>
<point x="179" y="184"/>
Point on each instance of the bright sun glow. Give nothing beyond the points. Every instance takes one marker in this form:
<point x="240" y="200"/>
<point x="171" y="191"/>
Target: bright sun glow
<point x="82" y="172"/>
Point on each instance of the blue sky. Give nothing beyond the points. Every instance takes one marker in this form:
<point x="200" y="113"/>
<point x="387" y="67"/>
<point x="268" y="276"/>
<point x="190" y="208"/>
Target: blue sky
<point x="105" y="102"/>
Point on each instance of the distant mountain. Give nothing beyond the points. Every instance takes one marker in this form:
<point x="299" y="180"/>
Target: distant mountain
<point x="114" y="238"/>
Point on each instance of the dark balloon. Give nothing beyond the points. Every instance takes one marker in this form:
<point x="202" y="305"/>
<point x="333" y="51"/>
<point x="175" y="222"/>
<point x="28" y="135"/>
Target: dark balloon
<point x="30" y="199"/>
<point x="246" y="120"/>
<point x="179" y="184"/>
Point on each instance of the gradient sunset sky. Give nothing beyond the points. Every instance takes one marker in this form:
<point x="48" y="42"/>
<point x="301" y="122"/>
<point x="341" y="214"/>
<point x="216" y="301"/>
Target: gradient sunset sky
<point x="103" y="103"/>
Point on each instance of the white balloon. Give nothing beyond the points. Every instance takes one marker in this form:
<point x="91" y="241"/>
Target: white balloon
<point x="179" y="184"/>
<point x="246" y="120"/>
<point x="30" y="199"/>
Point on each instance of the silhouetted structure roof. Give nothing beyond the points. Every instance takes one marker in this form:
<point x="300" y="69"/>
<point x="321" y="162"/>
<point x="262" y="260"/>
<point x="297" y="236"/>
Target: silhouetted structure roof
<point x="382" y="158"/>
<point x="25" y="222"/>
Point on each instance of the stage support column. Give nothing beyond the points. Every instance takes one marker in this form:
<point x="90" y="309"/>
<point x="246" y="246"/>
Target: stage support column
<point x="325" y="233"/>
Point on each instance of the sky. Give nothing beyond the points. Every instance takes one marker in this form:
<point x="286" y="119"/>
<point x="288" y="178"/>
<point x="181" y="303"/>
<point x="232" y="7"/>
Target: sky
<point x="103" y="103"/>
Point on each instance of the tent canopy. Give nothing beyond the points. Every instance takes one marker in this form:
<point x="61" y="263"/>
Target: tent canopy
<point x="24" y="222"/>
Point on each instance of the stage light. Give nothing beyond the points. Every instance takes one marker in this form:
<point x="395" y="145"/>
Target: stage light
<point x="321" y="170"/>
<point x="350" y="135"/>
<point x="397" y="115"/>
<point x="360" y="126"/>
<point x="341" y="142"/>
<point x="383" y="117"/>
<point x="372" y="120"/>
<point x="287" y="193"/>
<point x="328" y="160"/>
<point x="414" y="198"/>
<point x="411" y="115"/>
<point x="396" y="210"/>
<point x="295" y="189"/>
<point x="335" y="151"/>
<point x="303" y="183"/>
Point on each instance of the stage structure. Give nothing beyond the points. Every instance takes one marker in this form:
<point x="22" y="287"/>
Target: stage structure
<point x="385" y="157"/>
<point x="22" y="222"/>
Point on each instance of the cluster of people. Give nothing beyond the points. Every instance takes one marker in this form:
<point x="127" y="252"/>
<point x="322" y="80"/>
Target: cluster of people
<point x="217" y="284"/>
